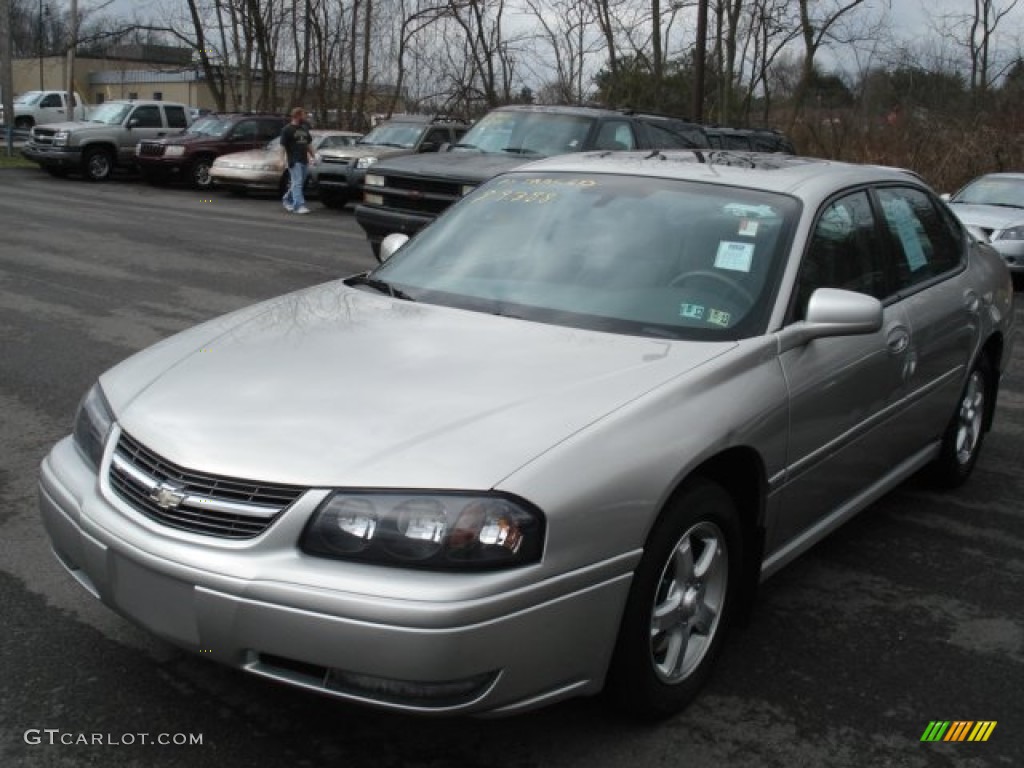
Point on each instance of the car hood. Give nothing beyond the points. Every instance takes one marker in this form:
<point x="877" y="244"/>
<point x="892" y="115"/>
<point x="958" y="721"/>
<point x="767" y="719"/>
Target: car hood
<point x="988" y="216"/>
<point x="464" y="166"/>
<point x="336" y="386"/>
<point x="369" y="150"/>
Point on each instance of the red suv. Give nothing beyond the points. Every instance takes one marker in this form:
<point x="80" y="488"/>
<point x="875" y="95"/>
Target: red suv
<point x="189" y="155"/>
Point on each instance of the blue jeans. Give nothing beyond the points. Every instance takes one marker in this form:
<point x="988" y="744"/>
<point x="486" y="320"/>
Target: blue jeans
<point x="294" y="198"/>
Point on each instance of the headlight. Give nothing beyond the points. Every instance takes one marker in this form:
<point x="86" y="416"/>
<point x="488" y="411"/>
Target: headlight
<point x="467" y="188"/>
<point x="174" y="150"/>
<point x="438" y="531"/>
<point x="373" y="180"/>
<point x="373" y="199"/>
<point x="60" y="138"/>
<point x="1013" y="233"/>
<point x="92" y="425"/>
<point x="365" y="162"/>
<point x="269" y="167"/>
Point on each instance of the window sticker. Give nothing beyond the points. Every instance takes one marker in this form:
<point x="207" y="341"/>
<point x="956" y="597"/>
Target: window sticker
<point x="720" y="318"/>
<point x="734" y="256"/>
<point x="748" y="228"/>
<point x="691" y="311"/>
<point x="905" y="225"/>
<point x="751" y="211"/>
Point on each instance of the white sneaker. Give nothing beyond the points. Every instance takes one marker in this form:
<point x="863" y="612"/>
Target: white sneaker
<point x="302" y="209"/>
<point x="288" y="207"/>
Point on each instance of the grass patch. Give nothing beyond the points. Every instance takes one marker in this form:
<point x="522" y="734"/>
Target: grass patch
<point x="16" y="161"/>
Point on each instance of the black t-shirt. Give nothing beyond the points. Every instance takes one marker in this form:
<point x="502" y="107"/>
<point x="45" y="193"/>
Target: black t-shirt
<point x="296" y="140"/>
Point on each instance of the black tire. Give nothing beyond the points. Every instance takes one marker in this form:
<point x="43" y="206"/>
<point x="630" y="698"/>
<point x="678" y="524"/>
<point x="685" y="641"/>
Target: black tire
<point x="334" y="200"/>
<point x="24" y="123"/>
<point x="962" y="440"/>
<point x="97" y="164"/>
<point x="199" y="173"/>
<point x="680" y="604"/>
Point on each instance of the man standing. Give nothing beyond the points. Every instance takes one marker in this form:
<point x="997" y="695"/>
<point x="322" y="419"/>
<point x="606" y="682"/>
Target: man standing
<point x="298" y="146"/>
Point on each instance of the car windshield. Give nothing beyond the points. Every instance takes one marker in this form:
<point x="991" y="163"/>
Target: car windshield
<point x="210" y="126"/>
<point x="328" y="142"/>
<point x="29" y="98"/>
<point x="625" y="254"/>
<point x="536" y="134"/>
<point x="402" y="135"/>
<point x="992" y="190"/>
<point x="109" y="114"/>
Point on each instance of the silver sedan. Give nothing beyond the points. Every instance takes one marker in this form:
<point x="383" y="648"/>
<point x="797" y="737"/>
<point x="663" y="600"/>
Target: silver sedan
<point x="551" y="445"/>
<point x="992" y="207"/>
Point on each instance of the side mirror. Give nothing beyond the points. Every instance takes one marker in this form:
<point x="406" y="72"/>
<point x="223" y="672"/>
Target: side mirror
<point x="429" y="146"/>
<point x="833" y="312"/>
<point x="133" y="123"/>
<point x="390" y="244"/>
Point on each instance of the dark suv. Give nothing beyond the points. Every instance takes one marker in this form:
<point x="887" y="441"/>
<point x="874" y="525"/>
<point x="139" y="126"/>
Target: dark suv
<point x="189" y="155"/>
<point x="407" y="193"/>
<point x="340" y="171"/>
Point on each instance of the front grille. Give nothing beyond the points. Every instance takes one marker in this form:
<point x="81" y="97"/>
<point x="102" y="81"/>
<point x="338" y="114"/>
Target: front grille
<point x="151" y="149"/>
<point x="193" y="501"/>
<point x="417" y="194"/>
<point x="344" y="161"/>
<point x="43" y="136"/>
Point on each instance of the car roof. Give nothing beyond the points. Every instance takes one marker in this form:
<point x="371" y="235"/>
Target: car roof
<point x="771" y="172"/>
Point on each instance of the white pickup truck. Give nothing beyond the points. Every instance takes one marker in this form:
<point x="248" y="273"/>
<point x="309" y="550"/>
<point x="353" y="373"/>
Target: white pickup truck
<point x="41" y="107"/>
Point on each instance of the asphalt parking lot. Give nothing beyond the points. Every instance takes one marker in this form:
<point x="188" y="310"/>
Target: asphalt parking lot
<point x="912" y="613"/>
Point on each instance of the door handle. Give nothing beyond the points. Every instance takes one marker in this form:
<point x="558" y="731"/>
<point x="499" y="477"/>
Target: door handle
<point x="898" y="339"/>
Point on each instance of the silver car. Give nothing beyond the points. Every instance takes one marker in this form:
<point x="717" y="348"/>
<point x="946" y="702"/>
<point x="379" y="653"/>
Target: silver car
<point x="992" y="207"/>
<point x="551" y="445"/>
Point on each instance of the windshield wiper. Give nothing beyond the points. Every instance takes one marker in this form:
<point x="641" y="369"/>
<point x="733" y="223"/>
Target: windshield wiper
<point x="379" y="285"/>
<point x="460" y="145"/>
<point x="522" y="151"/>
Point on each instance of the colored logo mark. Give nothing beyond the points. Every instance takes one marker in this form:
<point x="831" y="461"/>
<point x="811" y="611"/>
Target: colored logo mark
<point x="958" y="730"/>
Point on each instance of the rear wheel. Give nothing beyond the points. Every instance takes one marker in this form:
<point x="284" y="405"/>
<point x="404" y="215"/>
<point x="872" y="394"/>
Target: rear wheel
<point x="97" y="164"/>
<point x="680" y="603"/>
<point x="961" y="443"/>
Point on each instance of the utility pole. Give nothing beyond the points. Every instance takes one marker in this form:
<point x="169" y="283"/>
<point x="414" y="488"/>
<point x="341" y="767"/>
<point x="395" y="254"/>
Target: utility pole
<point x="7" y="74"/>
<point x="698" y="65"/>
<point x="73" y="43"/>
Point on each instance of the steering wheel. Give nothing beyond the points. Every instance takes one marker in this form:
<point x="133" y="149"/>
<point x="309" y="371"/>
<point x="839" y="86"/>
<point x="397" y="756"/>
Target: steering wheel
<point x="718" y="277"/>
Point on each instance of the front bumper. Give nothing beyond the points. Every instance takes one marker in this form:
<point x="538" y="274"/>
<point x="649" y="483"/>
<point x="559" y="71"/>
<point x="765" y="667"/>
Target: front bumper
<point x="53" y="157"/>
<point x="379" y="222"/>
<point x="324" y="625"/>
<point x="341" y="180"/>
<point x="244" y="178"/>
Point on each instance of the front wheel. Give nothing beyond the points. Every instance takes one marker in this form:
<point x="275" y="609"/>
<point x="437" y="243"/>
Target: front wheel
<point x="680" y="604"/>
<point x="199" y="173"/>
<point x="98" y="164"/>
<point x="24" y="123"/>
<point x="333" y="199"/>
<point x="961" y="443"/>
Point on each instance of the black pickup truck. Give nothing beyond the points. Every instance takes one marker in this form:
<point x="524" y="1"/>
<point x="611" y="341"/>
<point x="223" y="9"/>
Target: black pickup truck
<point x="405" y="194"/>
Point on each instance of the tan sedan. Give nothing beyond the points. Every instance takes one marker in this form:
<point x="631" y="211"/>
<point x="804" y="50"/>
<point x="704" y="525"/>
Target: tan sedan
<point x="264" y="170"/>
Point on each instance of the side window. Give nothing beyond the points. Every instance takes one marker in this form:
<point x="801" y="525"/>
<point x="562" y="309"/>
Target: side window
<point x="176" y="117"/>
<point x="147" y="117"/>
<point x="269" y="129"/>
<point x="615" y="134"/>
<point x="925" y="244"/>
<point x="844" y="252"/>
<point x="674" y="134"/>
<point x="436" y="136"/>
<point x="245" y="131"/>
<point x="51" y="100"/>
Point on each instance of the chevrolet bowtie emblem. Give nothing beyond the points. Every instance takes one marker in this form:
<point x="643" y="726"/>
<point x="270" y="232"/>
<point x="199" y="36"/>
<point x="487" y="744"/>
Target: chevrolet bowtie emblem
<point x="168" y="495"/>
